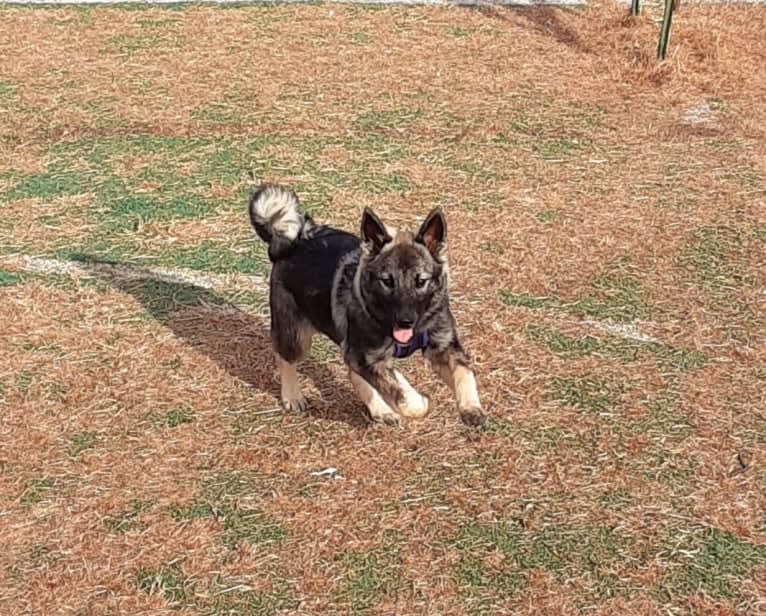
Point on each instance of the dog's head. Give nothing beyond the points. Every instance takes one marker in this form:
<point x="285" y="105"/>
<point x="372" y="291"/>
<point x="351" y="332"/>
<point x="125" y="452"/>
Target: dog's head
<point x="403" y="275"/>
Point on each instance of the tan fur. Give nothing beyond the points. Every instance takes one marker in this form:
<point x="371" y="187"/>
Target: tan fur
<point x="292" y="398"/>
<point x="459" y="378"/>
<point x="379" y="410"/>
<point x="404" y="237"/>
<point x="414" y="404"/>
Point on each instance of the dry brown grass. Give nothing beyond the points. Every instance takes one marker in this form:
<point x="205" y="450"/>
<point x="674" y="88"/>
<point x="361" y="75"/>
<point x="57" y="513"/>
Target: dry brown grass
<point x="567" y="161"/>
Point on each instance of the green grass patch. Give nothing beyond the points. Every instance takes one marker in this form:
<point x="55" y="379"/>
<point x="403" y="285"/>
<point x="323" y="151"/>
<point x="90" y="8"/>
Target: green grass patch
<point x="553" y="128"/>
<point x="624" y="350"/>
<point x="218" y="113"/>
<point x="195" y="510"/>
<point x="616" y="499"/>
<point x="24" y="380"/>
<point x="169" y="582"/>
<point x="370" y="577"/>
<point x="495" y="559"/>
<point x="248" y="526"/>
<point x="523" y="300"/>
<point x="570" y="346"/>
<point x="360" y="38"/>
<point x="390" y="120"/>
<point x="79" y="442"/>
<point x="323" y="349"/>
<point x="155" y="180"/>
<point x="593" y="394"/>
<point x="374" y="148"/>
<point x="500" y="427"/>
<point x="232" y="485"/>
<point x="130" y="44"/>
<point x="460" y="32"/>
<point x="230" y="597"/>
<point x="244" y="256"/>
<point x="8" y="279"/>
<point x="220" y="257"/>
<point x="663" y="421"/>
<point x="559" y="148"/>
<point x="128" y="519"/>
<point x="54" y="183"/>
<point x="41" y="555"/>
<point x="176" y="417"/>
<point x="223" y="499"/>
<point x="36" y="490"/>
<point x="7" y="90"/>
<point x="708" y="560"/>
<point x="616" y="296"/>
<point x="45" y="347"/>
<point x="547" y="216"/>
<point x="162" y="299"/>
<point x="666" y="466"/>
<point x="542" y="439"/>
<point x="239" y="524"/>
<point x="125" y="213"/>
<point x="716" y="255"/>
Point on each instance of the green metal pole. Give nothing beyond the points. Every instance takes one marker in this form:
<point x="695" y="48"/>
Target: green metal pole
<point x="662" y="47"/>
<point x="634" y="7"/>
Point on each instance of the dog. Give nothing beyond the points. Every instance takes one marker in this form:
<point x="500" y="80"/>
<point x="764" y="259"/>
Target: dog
<point x="379" y="297"/>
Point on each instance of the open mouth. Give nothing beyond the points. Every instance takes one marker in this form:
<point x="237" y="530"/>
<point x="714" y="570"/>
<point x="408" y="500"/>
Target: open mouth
<point x="402" y="336"/>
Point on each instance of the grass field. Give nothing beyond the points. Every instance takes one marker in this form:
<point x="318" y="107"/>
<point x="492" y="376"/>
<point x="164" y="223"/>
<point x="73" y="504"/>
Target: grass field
<point x="608" y="259"/>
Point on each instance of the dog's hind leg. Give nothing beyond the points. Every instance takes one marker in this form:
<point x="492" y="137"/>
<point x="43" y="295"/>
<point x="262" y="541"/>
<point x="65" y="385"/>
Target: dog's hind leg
<point x="291" y="336"/>
<point x="292" y="398"/>
<point x="451" y="365"/>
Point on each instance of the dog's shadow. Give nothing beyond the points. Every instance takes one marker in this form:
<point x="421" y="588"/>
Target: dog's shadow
<point x="239" y="342"/>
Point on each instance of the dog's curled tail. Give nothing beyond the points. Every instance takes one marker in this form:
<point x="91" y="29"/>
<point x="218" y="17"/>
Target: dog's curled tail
<point x="277" y="219"/>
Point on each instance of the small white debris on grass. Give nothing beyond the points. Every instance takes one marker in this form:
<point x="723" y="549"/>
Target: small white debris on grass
<point x="330" y="471"/>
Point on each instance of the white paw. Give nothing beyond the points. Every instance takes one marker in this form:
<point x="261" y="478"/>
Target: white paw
<point x="297" y="403"/>
<point x="414" y="405"/>
<point x="387" y="417"/>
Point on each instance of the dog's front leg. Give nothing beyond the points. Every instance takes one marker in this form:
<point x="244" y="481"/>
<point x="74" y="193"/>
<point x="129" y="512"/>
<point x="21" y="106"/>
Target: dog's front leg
<point x="413" y="404"/>
<point x="451" y="365"/>
<point x="382" y="385"/>
<point x="380" y="411"/>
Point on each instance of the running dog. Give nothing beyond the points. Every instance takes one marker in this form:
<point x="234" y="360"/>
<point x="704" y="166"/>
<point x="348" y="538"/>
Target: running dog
<point x="381" y="296"/>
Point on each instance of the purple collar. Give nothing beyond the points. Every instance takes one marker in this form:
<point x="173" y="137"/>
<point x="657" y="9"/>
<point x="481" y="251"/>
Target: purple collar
<point x="419" y="341"/>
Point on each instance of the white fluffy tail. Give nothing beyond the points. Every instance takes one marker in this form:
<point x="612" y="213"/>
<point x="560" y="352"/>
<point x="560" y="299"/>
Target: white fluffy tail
<point x="277" y="219"/>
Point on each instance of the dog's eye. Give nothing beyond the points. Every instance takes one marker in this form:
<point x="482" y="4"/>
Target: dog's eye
<point x="387" y="280"/>
<point x="421" y="281"/>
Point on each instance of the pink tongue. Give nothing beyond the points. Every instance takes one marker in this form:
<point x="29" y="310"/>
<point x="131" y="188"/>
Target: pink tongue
<point x="402" y="336"/>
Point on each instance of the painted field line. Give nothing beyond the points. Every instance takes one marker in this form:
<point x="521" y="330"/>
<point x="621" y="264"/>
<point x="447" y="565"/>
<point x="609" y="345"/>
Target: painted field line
<point x="126" y="273"/>
<point x="222" y="283"/>
<point x="628" y="331"/>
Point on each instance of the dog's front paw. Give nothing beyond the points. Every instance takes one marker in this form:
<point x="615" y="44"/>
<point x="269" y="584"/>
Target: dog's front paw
<point x="414" y="405"/>
<point x="473" y="417"/>
<point x="388" y="418"/>
<point x="298" y="403"/>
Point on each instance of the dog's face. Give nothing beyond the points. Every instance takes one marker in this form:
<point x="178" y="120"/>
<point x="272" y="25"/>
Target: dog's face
<point x="403" y="279"/>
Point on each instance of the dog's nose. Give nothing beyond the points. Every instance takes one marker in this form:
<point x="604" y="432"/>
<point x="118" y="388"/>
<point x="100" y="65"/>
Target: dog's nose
<point x="405" y="323"/>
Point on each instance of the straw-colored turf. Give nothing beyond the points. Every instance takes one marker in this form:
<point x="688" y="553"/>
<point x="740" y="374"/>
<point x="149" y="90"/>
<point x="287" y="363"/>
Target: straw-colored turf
<point x="608" y="256"/>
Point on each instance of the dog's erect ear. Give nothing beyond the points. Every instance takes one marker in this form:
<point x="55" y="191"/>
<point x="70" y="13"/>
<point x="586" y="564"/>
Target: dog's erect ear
<point x="373" y="231"/>
<point x="433" y="233"/>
